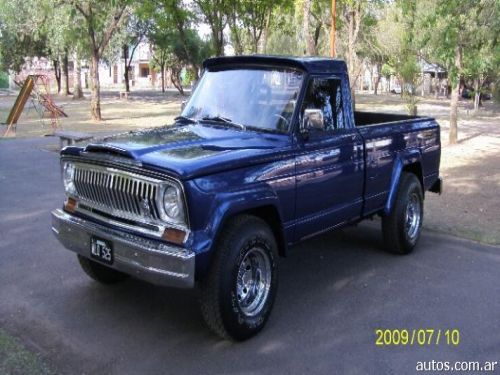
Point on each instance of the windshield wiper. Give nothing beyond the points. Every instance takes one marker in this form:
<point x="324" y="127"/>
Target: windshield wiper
<point x="224" y="120"/>
<point x="185" y="118"/>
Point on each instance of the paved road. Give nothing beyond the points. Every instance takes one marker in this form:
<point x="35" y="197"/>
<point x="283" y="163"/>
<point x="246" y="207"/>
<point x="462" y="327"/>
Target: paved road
<point x="334" y="292"/>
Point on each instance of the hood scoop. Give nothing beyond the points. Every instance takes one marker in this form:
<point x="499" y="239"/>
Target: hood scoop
<point x="109" y="150"/>
<point x="110" y="153"/>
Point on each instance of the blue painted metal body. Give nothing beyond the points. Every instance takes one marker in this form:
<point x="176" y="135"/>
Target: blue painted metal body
<point x="304" y="185"/>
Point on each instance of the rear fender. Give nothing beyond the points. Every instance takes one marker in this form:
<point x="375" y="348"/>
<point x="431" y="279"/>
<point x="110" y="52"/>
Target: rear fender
<point x="403" y="159"/>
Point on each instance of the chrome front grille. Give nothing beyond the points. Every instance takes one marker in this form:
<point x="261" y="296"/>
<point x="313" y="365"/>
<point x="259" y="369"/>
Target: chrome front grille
<point x="118" y="193"/>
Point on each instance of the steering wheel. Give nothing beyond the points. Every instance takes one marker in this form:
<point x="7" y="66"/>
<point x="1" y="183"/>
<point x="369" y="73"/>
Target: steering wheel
<point x="284" y="119"/>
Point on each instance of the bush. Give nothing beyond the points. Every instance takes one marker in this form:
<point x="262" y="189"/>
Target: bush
<point x="496" y="91"/>
<point x="188" y="77"/>
<point x="4" y="80"/>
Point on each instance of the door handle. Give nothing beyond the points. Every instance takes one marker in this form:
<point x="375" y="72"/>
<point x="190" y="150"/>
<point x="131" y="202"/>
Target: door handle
<point x="351" y="137"/>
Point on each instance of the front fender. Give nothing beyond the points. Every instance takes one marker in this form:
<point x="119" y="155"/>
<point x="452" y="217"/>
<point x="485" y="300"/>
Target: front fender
<point x="210" y="219"/>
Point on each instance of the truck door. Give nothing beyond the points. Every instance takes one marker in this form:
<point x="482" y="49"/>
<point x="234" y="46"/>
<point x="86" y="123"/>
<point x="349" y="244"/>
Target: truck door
<point x="329" y="162"/>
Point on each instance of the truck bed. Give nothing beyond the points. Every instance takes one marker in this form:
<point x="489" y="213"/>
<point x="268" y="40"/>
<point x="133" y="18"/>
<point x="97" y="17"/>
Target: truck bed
<point x="375" y="118"/>
<point x="390" y="139"/>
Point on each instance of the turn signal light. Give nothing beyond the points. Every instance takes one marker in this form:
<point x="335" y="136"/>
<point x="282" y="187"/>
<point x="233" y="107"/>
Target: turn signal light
<point x="173" y="235"/>
<point x="70" y="205"/>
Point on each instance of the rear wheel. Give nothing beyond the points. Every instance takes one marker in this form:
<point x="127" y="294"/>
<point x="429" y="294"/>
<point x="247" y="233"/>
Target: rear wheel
<point x="101" y="273"/>
<point x="401" y="228"/>
<point x="238" y="294"/>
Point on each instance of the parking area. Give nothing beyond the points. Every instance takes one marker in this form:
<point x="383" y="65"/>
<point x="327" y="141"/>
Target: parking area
<point x="334" y="292"/>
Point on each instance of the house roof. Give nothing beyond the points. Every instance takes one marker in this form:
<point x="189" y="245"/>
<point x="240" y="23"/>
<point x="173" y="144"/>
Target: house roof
<point x="308" y="64"/>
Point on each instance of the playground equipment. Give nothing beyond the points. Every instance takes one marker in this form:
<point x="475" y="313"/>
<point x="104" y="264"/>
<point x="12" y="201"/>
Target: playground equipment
<point x="36" y="87"/>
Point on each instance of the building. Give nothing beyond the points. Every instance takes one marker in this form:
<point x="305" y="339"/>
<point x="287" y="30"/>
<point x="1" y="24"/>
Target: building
<point x="111" y="74"/>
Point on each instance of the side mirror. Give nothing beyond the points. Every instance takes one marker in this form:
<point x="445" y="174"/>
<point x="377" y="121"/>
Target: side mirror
<point x="313" y="119"/>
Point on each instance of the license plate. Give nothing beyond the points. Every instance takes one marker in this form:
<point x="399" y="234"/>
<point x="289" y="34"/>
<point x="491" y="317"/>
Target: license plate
<point x="101" y="250"/>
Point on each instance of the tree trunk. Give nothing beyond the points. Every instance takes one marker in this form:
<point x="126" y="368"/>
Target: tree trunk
<point x="306" y="26"/>
<point x="176" y="80"/>
<point x="95" y="101"/>
<point x="377" y="80"/>
<point x="77" y="78"/>
<point x="255" y="41"/>
<point x="162" y="77"/>
<point x="477" y="94"/>
<point x="455" y="92"/>
<point x="65" y="70"/>
<point x="57" y="74"/>
<point x="453" y="113"/>
<point x="265" y="33"/>
<point x="125" y="72"/>
<point x="218" y="41"/>
<point x="235" y="34"/>
<point x="353" y="25"/>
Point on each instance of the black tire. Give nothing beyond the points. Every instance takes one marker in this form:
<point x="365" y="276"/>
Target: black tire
<point x="101" y="273"/>
<point x="244" y="245"/>
<point x="401" y="232"/>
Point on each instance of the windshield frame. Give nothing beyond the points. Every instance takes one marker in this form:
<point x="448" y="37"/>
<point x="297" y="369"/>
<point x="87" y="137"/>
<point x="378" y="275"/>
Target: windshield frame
<point x="249" y="127"/>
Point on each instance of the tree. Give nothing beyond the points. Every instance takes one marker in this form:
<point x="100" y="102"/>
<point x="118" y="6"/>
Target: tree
<point x="482" y="57"/>
<point x="352" y="16"/>
<point x="176" y="45"/>
<point x="378" y="39"/>
<point x="135" y="32"/>
<point x="60" y="38"/>
<point x="215" y="14"/>
<point x="20" y="33"/>
<point x="102" y="19"/>
<point x="306" y="28"/>
<point x="161" y="52"/>
<point x="454" y="30"/>
<point x="77" y="76"/>
<point x="250" y="20"/>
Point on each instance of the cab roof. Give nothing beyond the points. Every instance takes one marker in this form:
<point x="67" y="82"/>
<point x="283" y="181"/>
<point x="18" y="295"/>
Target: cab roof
<point x="318" y="65"/>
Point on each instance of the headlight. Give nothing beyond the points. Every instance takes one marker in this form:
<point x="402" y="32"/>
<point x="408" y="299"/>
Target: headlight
<point x="68" y="174"/>
<point x="172" y="204"/>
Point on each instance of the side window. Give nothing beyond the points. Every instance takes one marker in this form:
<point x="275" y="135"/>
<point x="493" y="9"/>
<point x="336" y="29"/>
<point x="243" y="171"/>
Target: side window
<point x="326" y="94"/>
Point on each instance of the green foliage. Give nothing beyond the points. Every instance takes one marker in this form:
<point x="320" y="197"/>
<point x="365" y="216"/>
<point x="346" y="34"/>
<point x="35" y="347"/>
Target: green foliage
<point x="387" y="70"/>
<point x="188" y="78"/>
<point x="472" y="26"/>
<point x="4" y="80"/>
<point x="251" y="20"/>
<point x="21" y="34"/>
<point x="496" y="91"/>
<point x="171" y="33"/>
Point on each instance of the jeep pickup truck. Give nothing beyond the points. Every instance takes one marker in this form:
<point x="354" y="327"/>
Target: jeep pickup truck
<point x="266" y="153"/>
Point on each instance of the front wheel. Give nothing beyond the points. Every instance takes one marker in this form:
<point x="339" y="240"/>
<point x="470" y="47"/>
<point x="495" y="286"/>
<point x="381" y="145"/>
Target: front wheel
<point x="99" y="272"/>
<point x="238" y="293"/>
<point x="401" y="228"/>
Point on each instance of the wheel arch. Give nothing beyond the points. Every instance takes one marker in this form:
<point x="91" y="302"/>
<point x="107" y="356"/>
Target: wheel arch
<point x="409" y="162"/>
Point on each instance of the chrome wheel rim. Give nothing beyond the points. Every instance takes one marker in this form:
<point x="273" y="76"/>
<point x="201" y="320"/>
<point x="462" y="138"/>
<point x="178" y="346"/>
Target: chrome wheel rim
<point x="413" y="216"/>
<point x="253" y="281"/>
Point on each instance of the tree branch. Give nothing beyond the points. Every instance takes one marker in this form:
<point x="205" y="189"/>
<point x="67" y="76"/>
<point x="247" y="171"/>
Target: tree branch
<point x="108" y="33"/>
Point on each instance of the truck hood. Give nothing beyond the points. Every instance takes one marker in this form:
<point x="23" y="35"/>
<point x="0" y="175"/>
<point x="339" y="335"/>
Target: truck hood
<point x="191" y="150"/>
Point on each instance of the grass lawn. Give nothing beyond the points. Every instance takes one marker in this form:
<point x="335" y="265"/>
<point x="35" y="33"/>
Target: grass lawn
<point x="16" y="359"/>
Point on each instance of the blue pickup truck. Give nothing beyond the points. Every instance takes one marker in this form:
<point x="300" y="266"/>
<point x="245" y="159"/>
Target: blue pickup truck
<point x="266" y="153"/>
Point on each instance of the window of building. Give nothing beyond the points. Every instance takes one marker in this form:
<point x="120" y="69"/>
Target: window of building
<point x="144" y="71"/>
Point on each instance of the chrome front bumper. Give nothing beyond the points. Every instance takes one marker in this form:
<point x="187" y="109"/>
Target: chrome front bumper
<point x="148" y="260"/>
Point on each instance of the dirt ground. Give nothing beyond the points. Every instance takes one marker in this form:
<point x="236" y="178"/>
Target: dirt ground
<point x="469" y="206"/>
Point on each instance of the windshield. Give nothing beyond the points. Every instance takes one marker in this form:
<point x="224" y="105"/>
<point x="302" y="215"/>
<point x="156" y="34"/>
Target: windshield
<point x="254" y="98"/>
